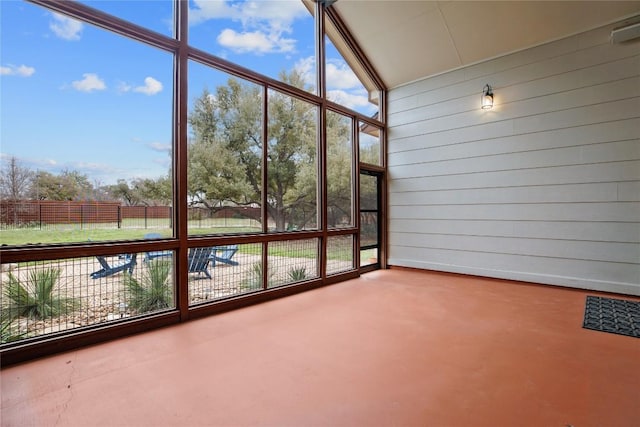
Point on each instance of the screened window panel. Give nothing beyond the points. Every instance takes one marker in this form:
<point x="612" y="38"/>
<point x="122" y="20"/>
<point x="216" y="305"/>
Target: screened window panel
<point x="292" y="261"/>
<point x="339" y="171"/>
<point x="156" y="15"/>
<point x="50" y="296"/>
<point x="292" y="168"/>
<point x="369" y="144"/>
<point x="346" y="82"/>
<point x="90" y="138"/>
<point x="220" y="272"/>
<point x="340" y="254"/>
<point x="273" y="37"/>
<point x="224" y="153"/>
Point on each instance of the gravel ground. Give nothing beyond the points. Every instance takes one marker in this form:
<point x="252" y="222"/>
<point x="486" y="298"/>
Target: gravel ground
<point x="104" y="300"/>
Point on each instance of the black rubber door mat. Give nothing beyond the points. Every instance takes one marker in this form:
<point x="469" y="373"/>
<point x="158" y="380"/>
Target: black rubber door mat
<point x="617" y="316"/>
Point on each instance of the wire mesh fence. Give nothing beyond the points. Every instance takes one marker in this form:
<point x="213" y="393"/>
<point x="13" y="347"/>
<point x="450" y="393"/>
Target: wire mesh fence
<point x="51" y="296"/>
<point x="339" y="254"/>
<point x="292" y="261"/>
<point x="228" y="273"/>
<point x="288" y="262"/>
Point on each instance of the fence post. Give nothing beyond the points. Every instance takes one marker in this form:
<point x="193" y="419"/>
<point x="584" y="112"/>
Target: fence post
<point x="81" y="216"/>
<point x="119" y="217"/>
<point x="145" y="216"/>
<point x="40" y="214"/>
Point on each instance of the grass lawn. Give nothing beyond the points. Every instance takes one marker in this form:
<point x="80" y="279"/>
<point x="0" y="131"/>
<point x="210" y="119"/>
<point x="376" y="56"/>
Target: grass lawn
<point x="107" y="232"/>
<point x="74" y="234"/>
<point x="26" y="236"/>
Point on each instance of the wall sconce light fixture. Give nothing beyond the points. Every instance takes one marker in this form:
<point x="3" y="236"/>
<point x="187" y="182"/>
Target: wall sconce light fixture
<point x="487" y="98"/>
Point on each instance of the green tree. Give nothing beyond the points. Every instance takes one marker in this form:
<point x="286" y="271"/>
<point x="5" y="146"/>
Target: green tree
<point x="226" y="150"/>
<point x="142" y="191"/>
<point x="47" y="186"/>
<point x="79" y="183"/>
<point x="154" y="191"/>
<point x="68" y="185"/>
<point x="291" y="157"/>
<point x="222" y="125"/>
<point x="125" y="193"/>
<point x="339" y="169"/>
<point x="369" y="144"/>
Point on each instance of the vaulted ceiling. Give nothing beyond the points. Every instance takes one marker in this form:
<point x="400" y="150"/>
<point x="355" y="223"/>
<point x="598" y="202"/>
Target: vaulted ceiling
<point x="409" y="40"/>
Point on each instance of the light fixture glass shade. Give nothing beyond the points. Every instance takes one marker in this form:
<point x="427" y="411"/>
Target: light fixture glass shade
<point x="487" y="98"/>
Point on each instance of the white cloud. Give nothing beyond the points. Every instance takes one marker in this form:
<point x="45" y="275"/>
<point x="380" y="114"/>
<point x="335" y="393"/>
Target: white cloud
<point x="307" y="69"/>
<point x="279" y="13"/>
<point x="350" y="100"/>
<point x="255" y="41"/>
<point x="21" y="70"/>
<point x="89" y="83"/>
<point x="340" y="75"/>
<point x="123" y="87"/>
<point x="151" y="86"/>
<point x="342" y="84"/>
<point x="97" y="172"/>
<point x="64" y="27"/>
<point x="206" y="9"/>
<point x="160" y="146"/>
<point x="264" y="24"/>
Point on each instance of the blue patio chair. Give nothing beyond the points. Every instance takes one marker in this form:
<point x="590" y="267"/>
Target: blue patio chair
<point x="199" y="261"/>
<point x="150" y="256"/>
<point x="125" y="263"/>
<point x="223" y="254"/>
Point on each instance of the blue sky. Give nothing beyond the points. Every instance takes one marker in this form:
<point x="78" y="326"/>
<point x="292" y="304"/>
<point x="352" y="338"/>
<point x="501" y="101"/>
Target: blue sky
<point x="76" y="97"/>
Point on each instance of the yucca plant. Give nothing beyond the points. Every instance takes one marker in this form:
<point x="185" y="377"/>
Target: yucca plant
<point x="8" y="331"/>
<point x="298" y="274"/>
<point x="35" y="298"/>
<point x="153" y="292"/>
<point x="254" y="280"/>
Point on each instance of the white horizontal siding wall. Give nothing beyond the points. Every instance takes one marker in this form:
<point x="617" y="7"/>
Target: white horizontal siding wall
<point x="545" y="187"/>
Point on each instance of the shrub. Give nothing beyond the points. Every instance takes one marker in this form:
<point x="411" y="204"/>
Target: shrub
<point x="153" y="292"/>
<point x="8" y="331"/>
<point x="297" y="274"/>
<point x="35" y="298"/>
<point x="254" y="280"/>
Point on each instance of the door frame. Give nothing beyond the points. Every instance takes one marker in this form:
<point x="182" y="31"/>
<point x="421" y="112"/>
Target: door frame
<point x="379" y="174"/>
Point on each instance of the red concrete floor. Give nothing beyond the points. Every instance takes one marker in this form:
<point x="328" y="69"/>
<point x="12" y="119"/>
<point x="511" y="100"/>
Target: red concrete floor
<point x="392" y="348"/>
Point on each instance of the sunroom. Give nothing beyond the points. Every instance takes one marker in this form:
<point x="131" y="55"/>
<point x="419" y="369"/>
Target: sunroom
<point x="166" y="161"/>
<point x="174" y="174"/>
